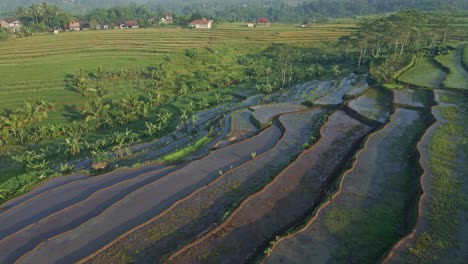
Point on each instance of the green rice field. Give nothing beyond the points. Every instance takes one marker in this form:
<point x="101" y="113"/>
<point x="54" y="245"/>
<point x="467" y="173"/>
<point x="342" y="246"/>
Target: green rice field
<point x="34" y="68"/>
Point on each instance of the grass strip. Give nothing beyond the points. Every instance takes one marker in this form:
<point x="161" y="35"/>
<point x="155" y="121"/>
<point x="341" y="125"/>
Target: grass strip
<point x="446" y="181"/>
<point x="178" y="155"/>
<point x="457" y="77"/>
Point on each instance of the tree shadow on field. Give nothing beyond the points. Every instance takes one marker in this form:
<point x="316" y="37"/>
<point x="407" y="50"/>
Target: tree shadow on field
<point x="72" y="113"/>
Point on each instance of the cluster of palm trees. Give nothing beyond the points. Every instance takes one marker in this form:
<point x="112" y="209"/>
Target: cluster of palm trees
<point x="43" y="16"/>
<point x="14" y="126"/>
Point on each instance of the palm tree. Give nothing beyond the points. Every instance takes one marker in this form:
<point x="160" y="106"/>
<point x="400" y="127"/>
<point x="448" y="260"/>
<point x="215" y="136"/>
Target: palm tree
<point x="34" y="10"/>
<point x="336" y="70"/>
<point x="75" y="144"/>
<point x="4" y="135"/>
<point x="132" y="104"/>
<point x="96" y="110"/>
<point x="15" y="125"/>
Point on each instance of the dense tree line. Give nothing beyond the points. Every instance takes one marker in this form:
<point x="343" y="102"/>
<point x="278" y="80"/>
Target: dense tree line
<point x="242" y="10"/>
<point x="43" y="17"/>
<point x="389" y="42"/>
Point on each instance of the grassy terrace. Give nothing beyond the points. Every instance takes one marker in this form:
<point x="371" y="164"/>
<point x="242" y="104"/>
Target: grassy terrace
<point x="424" y="74"/>
<point x="458" y="76"/>
<point x="35" y="68"/>
<point x="444" y="236"/>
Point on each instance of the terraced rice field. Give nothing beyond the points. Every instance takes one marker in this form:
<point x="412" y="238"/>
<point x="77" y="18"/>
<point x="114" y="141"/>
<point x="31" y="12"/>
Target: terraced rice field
<point x="239" y="190"/>
<point x="425" y="73"/>
<point x="374" y="105"/>
<point x="34" y="69"/>
<point x="411" y="98"/>
<point x="371" y="206"/>
<point x="457" y="77"/>
<point x="444" y="71"/>
<point x="441" y="232"/>
<point x="317" y="172"/>
<point x="211" y="204"/>
<point x="295" y="190"/>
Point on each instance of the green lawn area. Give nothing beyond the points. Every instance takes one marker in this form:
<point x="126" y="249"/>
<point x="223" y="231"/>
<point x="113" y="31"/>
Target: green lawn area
<point x="424" y="74"/>
<point x="458" y="76"/>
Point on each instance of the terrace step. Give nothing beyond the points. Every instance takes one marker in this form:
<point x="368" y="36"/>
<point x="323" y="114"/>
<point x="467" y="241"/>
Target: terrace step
<point x="207" y="207"/>
<point x="371" y="207"/>
<point x="411" y="98"/>
<point x="374" y="105"/>
<point x="14" y="246"/>
<point x="46" y="203"/>
<point x="455" y="167"/>
<point x="297" y="189"/>
<point x="44" y="187"/>
<point x="147" y="202"/>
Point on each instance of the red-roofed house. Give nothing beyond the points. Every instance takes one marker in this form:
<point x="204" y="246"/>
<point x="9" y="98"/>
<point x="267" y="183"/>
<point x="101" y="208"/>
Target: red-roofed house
<point x="169" y="18"/>
<point x="202" y="23"/>
<point x="10" y="23"/>
<point x="131" y="24"/>
<point x="263" y="22"/>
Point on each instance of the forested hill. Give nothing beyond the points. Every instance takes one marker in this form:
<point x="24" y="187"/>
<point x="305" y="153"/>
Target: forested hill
<point x="276" y="10"/>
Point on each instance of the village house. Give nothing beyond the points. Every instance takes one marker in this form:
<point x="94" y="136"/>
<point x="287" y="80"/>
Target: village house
<point x="131" y="24"/>
<point x="250" y="24"/>
<point x="85" y="25"/>
<point x="167" y="18"/>
<point x="201" y="24"/>
<point x="263" y="22"/>
<point x="74" y="25"/>
<point x="10" y="23"/>
<point x="119" y="25"/>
